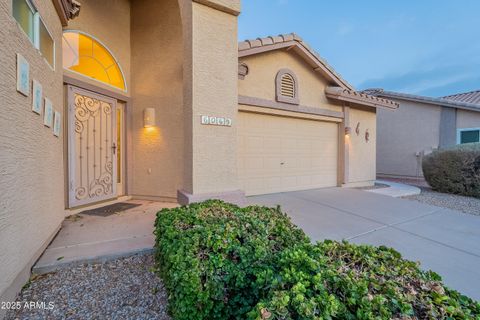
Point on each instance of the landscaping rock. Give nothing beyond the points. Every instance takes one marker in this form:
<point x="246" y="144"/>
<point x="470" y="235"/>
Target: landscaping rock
<point x="126" y="288"/>
<point x="469" y="205"/>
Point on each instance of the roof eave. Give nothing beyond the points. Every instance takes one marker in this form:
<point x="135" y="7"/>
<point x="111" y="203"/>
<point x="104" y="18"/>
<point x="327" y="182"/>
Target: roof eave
<point x="434" y="101"/>
<point x="252" y="47"/>
<point x="343" y="95"/>
<point x="67" y="10"/>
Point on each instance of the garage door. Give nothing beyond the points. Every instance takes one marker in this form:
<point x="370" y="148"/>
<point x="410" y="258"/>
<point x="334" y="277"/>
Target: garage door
<point x="277" y="154"/>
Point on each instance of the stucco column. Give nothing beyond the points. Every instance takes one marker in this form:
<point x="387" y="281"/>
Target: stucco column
<point x="212" y="68"/>
<point x="448" y="127"/>
<point x="344" y="133"/>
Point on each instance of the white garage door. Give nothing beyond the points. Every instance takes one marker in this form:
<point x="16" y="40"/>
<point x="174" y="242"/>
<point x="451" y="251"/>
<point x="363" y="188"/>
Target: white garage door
<point x="277" y="154"/>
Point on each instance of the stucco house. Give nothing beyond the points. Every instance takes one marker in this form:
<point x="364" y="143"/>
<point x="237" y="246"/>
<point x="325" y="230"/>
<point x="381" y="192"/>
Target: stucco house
<point x="102" y="101"/>
<point x="420" y="125"/>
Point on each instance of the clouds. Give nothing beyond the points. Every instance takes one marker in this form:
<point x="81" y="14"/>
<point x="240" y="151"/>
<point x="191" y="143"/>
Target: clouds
<point x="447" y="71"/>
<point x="428" y="46"/>
<point x="439" y="81"/>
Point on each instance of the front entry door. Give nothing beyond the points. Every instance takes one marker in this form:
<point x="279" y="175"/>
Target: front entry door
<point x="92" y="129"/>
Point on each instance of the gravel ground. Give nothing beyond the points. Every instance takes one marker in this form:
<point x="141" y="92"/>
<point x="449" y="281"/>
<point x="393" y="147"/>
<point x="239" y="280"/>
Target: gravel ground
<point x="451" y="201"/>
<point x="121" y="289"/>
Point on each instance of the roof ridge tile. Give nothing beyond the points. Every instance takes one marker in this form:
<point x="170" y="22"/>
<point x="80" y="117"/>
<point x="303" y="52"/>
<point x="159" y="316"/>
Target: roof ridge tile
<point x="290" y="37"/>
<point x="461" y="94"/>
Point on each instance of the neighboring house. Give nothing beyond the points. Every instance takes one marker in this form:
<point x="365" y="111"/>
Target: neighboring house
<point x="421" y="125"/>
<point x="157" y="100"/>
<point x="469" y="131"/>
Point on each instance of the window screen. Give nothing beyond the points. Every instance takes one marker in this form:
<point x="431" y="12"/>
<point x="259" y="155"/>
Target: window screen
<point x="470" y="136"/>
<point x="23" y="12"/>
<point x="46" y="44"/>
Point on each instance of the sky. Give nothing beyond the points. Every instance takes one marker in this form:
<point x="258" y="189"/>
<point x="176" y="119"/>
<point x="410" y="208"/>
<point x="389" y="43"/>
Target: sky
<point x="425" y="47"/>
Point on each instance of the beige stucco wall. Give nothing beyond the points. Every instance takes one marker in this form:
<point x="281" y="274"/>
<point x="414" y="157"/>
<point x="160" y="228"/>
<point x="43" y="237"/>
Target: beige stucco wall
<point x="362" y="153"/>
<point x="263" y="68"/>
<point x="157" y="82"/>
<point x="411" y="129"/>
<point x="232" y="6"/>
<point x="260" y="83"/>
<point x="109" y="22"/>
<point x="214" y="93"/>
<point x="468" y="119"/>
<point x="31" y="158"/>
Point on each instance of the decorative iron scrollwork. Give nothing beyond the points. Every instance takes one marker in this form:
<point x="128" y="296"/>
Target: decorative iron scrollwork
<point x="80" y="193"/>
<point x="92" y="120"/>
<point x="103" y="185"/>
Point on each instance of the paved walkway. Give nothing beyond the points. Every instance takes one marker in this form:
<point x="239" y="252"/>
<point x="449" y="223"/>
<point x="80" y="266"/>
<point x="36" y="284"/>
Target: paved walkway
<point x="395" y="189"/>
<point x="88" y="238"/>
<point x="443" y="240"/>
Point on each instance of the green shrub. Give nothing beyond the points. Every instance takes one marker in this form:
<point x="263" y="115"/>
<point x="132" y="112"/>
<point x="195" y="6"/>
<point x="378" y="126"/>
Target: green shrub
<point x="454" y="170"/>
<point x="219" y="261"/>
<point x="333" y="280"/>
<point x="216" y="259"/>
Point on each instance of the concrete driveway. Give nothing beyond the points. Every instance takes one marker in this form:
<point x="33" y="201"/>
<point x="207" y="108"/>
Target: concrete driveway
<point x="443" y="240"/>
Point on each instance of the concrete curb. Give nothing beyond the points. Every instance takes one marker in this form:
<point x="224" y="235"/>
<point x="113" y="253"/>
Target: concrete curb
<point x="396" y="190"/>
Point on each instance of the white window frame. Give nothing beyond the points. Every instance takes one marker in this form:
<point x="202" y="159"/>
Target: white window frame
<point x="34" y="10"/>
<point x="109" y="51"/>
<point x="36" y="32"/>
<point x="459" y="133"/>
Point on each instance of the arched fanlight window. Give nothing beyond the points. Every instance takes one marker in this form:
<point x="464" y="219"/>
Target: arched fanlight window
<point x="286" y="84"/>
<point x="86" y="55"/>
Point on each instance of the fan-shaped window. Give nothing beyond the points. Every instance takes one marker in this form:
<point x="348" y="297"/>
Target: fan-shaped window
<point x="287" y="87"/>
<point x="85" y="55"/>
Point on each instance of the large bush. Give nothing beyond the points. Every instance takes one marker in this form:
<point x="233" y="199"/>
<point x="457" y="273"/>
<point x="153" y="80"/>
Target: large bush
<point x="216" y="259"/>
<point x="219" y="261"/>
<point x="454" y="170"/>
<point x="338" y="280"/>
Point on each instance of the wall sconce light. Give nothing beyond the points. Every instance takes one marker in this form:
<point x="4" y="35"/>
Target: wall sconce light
<point x="348" y="130"/>
<point x="149" y="118"/>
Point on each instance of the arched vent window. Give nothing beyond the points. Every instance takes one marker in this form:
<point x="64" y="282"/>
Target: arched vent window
<point x="287" y="87"/>
<point x="86" y="55"/>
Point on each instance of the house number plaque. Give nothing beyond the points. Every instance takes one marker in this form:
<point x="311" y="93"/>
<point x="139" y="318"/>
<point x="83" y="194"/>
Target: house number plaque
<point x="216" y="121"/>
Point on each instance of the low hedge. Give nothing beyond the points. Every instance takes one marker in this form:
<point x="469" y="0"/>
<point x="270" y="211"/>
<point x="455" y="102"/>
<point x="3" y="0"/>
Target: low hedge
<point x="454" y="170"/>
<point x="216" y="259"/>
<point x="220" y="261"/>
<point x="339" y="280"/>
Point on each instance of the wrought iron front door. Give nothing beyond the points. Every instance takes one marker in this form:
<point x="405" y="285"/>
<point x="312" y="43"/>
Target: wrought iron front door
<point x="92" y="129"/>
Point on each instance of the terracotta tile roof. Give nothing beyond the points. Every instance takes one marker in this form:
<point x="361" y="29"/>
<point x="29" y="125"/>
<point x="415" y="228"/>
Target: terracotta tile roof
<point x="259" y="42"/>
<point x="67" y="10"/>
<point x="360" y="97"/>
<point x="416" y="98"/>
<point x="470" y="97"/>
<point x="342" y="91"/>
<point x="254" y="46"/>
